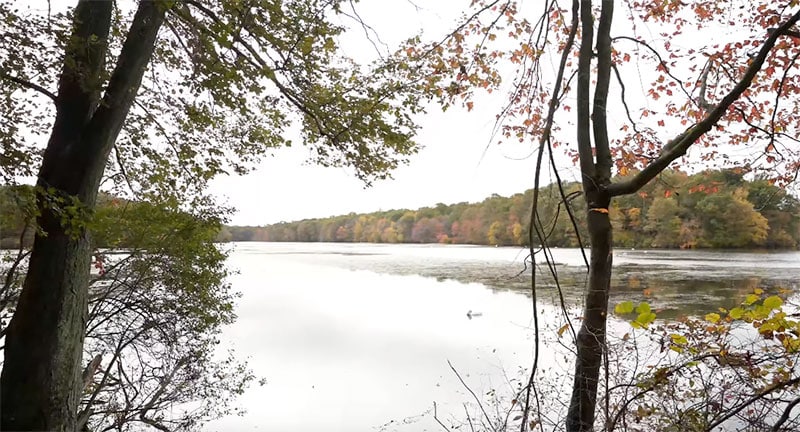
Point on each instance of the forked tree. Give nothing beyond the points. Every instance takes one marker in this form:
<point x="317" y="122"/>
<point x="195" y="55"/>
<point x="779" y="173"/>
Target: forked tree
<point x="659" y="83"/>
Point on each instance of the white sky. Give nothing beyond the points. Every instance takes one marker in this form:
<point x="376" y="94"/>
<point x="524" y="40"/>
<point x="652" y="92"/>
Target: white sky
<point x="452" y="167"/>
<point x="459" y="162"/>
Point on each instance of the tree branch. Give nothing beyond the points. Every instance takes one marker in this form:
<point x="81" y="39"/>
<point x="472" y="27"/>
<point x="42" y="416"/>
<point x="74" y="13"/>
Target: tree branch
<point x="599" y="123"/>
<point x="677" y="146"/>
<point x="474" y="396"/>
<point x="753" y="399"/>
<point x="584" y="94"/>
<point x="543" y="140"/>
<point x="29" y="85"/>
<point x="785" y="416"/>
<point x="123" y="85"/>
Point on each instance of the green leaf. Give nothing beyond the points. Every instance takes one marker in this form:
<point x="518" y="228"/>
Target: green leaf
<point x="645" y="318"/>
<point x="773" y="302"/>
<point x="643" y="308"/>
<point x="625" y="307"/>
<point x="750" y="299"/>
<point x="736" y="313"/>
<point x="712" y="317"/>
<point x="678" y="339"/>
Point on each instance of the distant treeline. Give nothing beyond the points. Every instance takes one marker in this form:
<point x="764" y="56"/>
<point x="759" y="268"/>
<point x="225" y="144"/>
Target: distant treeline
<point x="712" y="209"/>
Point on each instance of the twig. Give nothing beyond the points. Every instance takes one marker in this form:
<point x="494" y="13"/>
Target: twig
<point x="477" y="399"/>
<point x="436" y="417"/>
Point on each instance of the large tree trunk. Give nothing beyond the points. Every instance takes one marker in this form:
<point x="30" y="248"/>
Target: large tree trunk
<point x="592" y="335"/>
<point x="40" y="383"/>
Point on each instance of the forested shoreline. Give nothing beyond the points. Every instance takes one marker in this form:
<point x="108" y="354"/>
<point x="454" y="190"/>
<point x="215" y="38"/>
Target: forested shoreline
<point x="711" y="209"/>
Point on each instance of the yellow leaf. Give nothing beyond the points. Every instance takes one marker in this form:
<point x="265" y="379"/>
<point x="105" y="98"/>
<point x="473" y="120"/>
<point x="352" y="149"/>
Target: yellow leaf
<point x="625" y="307"/>
<point x="563" y="329"/>
<point x="645" y="318"/>
<point x="736" y="313"/>
<point x="773" y="302"/>
<point x="679" y="339"/>
<point x="712" y="317"/>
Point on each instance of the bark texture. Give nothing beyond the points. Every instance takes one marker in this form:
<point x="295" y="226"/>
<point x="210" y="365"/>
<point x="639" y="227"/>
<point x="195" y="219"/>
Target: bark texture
<point x="40" y="385"/>
<point x="595" y="165"/>
<point x="592" y="334"/>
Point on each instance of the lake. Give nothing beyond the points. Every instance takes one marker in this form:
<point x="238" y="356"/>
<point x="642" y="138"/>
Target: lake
<point x="357" y="337"/>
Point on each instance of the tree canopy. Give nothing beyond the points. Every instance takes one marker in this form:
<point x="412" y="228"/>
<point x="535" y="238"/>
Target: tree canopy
<point x="149" y="101"/>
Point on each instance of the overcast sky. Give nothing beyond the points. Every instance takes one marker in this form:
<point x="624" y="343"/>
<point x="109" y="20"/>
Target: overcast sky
<point x="460" y="160"/>
<point x="451" y="168"/>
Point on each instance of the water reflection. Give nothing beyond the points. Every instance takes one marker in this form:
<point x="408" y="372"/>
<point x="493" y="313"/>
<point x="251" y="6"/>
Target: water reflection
<point x="674" y="281"/>
<point x="352" y="337"/>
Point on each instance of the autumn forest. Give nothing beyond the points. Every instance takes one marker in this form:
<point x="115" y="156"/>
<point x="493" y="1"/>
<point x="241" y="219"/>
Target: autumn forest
<point x="711" y="209"/>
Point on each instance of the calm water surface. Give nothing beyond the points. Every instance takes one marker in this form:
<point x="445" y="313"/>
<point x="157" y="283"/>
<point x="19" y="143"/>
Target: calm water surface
<point x="357" y="337"/>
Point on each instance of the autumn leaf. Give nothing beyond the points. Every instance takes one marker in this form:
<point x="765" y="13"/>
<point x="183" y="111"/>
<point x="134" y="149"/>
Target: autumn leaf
<point x="678" y="339"/>
<point x="773" y="302"/>
<point x="625" y="307"/>
<point x="736" y="313"/>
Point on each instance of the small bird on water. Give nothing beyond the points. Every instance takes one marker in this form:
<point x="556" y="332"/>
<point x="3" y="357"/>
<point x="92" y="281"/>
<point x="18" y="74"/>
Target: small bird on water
<point x="471" y="314"/>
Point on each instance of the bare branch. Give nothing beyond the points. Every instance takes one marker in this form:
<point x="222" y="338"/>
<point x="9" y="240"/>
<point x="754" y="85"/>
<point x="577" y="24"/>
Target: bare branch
<point x="702" y="102"/>
<point x="545" y="139"/>
<point x="754" y="398"/>
<point x="480" y="405"/>
<point x="785" y="416"/>
<point x="661" y="61"/>
<point x="29" y="85"/>
<point x="436" y="417"/>
<point x="677" y="146"/>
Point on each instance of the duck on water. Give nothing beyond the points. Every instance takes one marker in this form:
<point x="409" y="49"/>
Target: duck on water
<point x="471" y="314"/>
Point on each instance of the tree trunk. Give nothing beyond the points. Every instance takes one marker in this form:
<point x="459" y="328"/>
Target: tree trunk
<point x="40" y="386"/>
<point x="45" y="338"/>
<point x="592" y="335"/>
